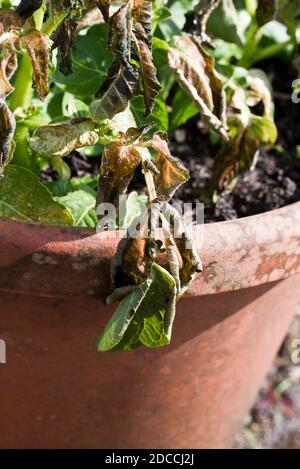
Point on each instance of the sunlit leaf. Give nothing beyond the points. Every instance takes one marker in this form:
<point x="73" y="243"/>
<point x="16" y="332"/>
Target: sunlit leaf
<point x="24" y="197"/>
<point x="82" y="206"/>
<point x="172" y="173"/>
<point x="60" y="139"/>
<point x="143" y="317"/>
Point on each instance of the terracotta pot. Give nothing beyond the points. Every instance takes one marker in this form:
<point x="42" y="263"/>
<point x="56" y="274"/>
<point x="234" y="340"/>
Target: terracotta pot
<point x="57" y="391"/>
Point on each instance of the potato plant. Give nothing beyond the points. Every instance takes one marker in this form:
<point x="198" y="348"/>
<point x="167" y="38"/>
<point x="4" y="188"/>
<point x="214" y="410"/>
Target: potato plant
<point x="110" y="78"/>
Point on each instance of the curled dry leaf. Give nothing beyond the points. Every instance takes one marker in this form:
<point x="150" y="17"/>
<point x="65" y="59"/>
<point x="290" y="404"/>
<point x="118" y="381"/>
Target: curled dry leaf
<point x="8" y="61"/>
<point x="120" y="86"/>
<point x="10" y="20"/>
<point x="191" y="263"/>
<point x="7" y="129"/>
<point x="60" y="139"/>
<point x="171" y="171"/>
<point x="142" y="13"/>
<point x="151" y="85"/>
<point x="248" y="133"/>
<point x="38" y="46"/>
<point x="196" y="74"/>
<point x="63" y="38"/>
<point x="119" y="161"/>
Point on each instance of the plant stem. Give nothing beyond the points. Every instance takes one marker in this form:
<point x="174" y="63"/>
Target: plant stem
<point x="148" y="175"/>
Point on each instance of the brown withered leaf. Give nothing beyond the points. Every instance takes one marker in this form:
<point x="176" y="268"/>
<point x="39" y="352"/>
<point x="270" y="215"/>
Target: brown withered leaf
<point x="247" y="135"/>
<point x="38" y="45"/>
<point x="119" y="34"/>
<point x="64" y="38"/>
<point x="7" y="129"/>
<point x="9" y="20"/>
<point x="142" y="13"/>
<point x="8" y="62"/>
<point x="132" y="263"/>
<point x="151" y="85"/>
<point x="120" y="86"/>
<point x="190" y="260"/>
<point x="195" y="73"/>
<point x="119" y="161"/>
<point x="172" y="173"/>
<point x="60" y="139"/>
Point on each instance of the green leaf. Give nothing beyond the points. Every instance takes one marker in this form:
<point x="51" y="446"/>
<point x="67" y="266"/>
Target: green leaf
<point x="82" y="206"/>
<point x="90" y="64"/>
<point x="135" y="207"/>
<point x="74" y="107"/>
<point x="224" y="23"/>
<point x="183" y="109"/>
<point x="24" y="197"/>
<point x="159" y="113"/>
<point x="141" y="317"/>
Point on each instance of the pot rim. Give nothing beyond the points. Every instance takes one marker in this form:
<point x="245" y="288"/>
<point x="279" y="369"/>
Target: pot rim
<point x="236" y="254"/>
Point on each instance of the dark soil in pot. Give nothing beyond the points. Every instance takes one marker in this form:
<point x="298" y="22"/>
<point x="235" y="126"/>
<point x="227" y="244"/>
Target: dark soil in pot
<point x="274" y="183"/>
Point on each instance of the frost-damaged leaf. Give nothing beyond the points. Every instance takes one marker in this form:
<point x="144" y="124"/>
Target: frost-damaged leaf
<point x="38" y="45"/>
<point x="26" y="8"/>
<point x="248" y="134"/>
<point x="142" y="13"/>
<point x="119" y="34"/>
<point x="24" y="197"/>
<point x="133" y="261"/>
<point x="64" y="38"/>
<point x="265" y="11"/>
<point x="9" y="20"/>
<point x="151" y="85"/>
<point x="172" y="173"/>
<point x="8" y="62"/>
<point x="120" y="86"/>
<point x="191" y="263"/>
<point x="60" y="139"/>
<point x="195" y="72"/>
<point x="119" y="161"/>
<point x="142" y="318"/>
<point x="7" y="129"/>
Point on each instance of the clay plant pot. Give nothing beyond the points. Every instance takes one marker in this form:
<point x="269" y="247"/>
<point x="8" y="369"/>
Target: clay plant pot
<point x="57" y="391"/>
